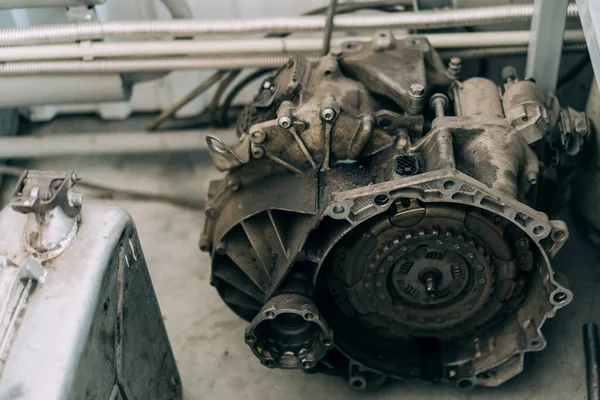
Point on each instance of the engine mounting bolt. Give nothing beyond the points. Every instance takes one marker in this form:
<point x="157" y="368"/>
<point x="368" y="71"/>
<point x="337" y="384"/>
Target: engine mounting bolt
<point x="440" y="242"/>
<point x="403" y="248"/>
<point x="471" y="255"/>
<point x="257" y="137"/>
<point x="284" y="122"/>
<point x="480" y="268"/>
<point x="221" y="248"/>
<point x="482" y="281"/>
<point x="234" y="183"/>
<point x="457" y="247"/>
<point x="417" y="91"/>
<point x="267" y="84"/>
<point x="455" y="66"/>
<point x="509" y="73"/>
<point x="532" y="177"/>
<point x="328" y="114"/>
<point x="258" y="152"/>
<point x="438" y="103"/>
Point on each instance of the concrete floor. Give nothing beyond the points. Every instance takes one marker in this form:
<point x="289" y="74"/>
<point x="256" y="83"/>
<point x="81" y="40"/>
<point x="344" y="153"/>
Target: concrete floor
<point x="206" y="336"/>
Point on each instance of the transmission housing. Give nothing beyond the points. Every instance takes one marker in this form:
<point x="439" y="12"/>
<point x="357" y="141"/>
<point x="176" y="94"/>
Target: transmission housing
<point x="380" y="218"/>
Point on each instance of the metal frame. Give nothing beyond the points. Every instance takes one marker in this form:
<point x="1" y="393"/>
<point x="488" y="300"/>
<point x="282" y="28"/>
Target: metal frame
<point x="545" y="47"/>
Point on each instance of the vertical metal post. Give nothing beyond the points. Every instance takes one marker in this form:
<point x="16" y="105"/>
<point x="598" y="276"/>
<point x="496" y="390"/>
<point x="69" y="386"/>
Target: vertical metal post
<point x="329" y="26"/>
<point x="591" y="346"/>
<point x="589" y="13"/>
<point x="546" y="42"/>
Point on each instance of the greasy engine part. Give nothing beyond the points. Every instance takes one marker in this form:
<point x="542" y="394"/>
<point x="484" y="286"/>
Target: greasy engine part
<point x="377" y="219"/>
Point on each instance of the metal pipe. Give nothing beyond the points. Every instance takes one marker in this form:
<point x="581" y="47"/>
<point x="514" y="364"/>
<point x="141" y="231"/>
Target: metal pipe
<point x="165" y="48"/>
<point x="46" y="34"/>
<point x="329" y="26"/>
<point x="591" y="345"/>
<point x="5" y="4"/>
<point x="150" y="65"/>
<point x="484" y="52"/>
<point x="25" y="91"/>
<point x="545" y="47"/>
<point x="222" y="63"/>
<point x="109" y="143"/>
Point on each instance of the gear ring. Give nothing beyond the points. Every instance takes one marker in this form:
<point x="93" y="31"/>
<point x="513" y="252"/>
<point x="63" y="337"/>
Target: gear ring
<point x="475" y="285"/>
<point x="371" y="284"/>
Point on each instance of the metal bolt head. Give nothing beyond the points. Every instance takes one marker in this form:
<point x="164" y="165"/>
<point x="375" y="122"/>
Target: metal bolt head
<point x="455" y="66"/>
<point x="221" y="248"/>
<point x="258" y="152"/>
<point x="233" y="183"/>
<point x="509" y="72"/>
<point x="267" y="84"/>
<point x="75" y="199"/>
<point x="440" y="99"/>
<point x="257" y="137"/>
<point x="285" y="122"/>
<point x="532" y="178"/>
<point x="417" y="90"/>
<point x="328" y="114"/>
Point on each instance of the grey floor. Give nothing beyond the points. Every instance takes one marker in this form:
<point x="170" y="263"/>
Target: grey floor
<point x="207" y="337"/>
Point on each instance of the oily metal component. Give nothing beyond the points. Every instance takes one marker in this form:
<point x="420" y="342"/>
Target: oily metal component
<point x="401" y="69"/>
<point x="410" y="236"/>
<point x="289" y="332"/>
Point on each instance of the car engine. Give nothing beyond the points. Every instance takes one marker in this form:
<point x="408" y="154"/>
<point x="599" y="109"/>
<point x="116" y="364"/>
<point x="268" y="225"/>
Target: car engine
<point x="381" y="218"/>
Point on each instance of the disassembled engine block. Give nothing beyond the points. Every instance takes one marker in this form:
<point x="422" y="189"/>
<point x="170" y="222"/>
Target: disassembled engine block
<point x="379" y="217"/>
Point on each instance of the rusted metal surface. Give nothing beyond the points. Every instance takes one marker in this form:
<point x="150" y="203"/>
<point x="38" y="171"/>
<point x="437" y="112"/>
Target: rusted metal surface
<point x="414" y="232"/>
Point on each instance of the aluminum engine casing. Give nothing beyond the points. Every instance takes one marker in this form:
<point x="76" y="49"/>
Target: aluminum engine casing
<point x="365" y="236"/>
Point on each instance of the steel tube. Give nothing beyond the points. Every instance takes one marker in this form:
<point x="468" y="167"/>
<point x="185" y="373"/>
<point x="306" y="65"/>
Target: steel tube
<point x="591" y="345"/>
<point x="5" y="4"/>
<point x="284" y="46"/>
<point x="46" y="34"/>
<point x="108" y="143"/>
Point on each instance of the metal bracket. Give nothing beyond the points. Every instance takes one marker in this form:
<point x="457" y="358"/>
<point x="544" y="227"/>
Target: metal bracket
<point x="42" y="191"/>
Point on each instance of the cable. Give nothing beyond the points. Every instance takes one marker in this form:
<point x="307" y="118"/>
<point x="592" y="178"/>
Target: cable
<point x="216" y="100"/>
<point x="203" y="87"/>
<point x="227" y="103"/>
<point x="194" y="204"/>
<point x="329" y="26"/>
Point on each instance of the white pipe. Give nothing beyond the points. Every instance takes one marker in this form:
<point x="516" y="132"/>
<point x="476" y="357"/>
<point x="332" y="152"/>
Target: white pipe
<point x="86" y="143"/>
<point x="4" y="4"/>
<point x="46" y="34"/>
<point x="25" y="91"/>
<point x="93" y="50"/>
<point x="147" y="65"/>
